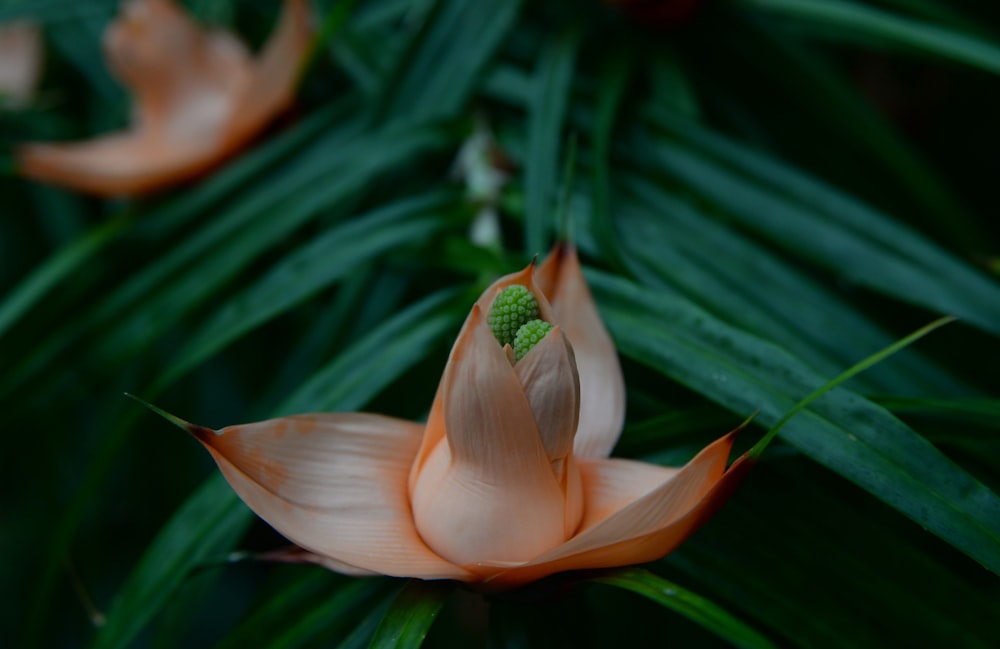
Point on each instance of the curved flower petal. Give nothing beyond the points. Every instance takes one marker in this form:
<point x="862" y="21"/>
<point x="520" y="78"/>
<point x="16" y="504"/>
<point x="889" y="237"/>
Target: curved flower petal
<point x="602" y="386"/>
<point x="549" y="380"/>
<point x="182" y="77"/>
<point x="275" y="73"/>
<point x="610" y="484"/>
<point x="648" y="527"/>
<point x="334" y="484"/>
<point x="198" y="97"/>
<point x="435" y="420"/>
<point x="487" y="490"/>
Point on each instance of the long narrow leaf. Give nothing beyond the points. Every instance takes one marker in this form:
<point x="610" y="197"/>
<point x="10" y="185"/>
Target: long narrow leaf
<point x="411" y="614"/>
<point x="852" y="436"/>
<point x="891" y="28"/>
<point x="683" y="602"/>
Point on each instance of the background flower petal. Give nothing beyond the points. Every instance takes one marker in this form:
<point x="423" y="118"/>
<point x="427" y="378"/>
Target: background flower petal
<point x="21" y="57"/>
<point x="334" y="484"/>
<point x="275" y="72"/>
<point x="197" y="97"/>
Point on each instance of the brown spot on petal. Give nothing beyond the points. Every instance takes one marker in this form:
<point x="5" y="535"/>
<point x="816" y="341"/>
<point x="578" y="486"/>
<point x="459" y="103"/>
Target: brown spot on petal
<point x="203" y="434"/>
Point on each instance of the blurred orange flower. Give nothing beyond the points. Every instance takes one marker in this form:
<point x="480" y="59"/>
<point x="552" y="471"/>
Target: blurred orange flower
<point x="509" y="480"/>
<point x="20" y="62"/>
<point x="198" y="97"/>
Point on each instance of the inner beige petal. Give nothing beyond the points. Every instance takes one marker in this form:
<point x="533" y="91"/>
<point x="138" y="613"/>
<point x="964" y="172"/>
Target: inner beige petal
<point x="550" y="381"/>
<point x="487" y="492"/>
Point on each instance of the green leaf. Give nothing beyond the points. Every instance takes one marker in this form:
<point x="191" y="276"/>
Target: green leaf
<point x="616" y="77"/>
<point x="547" y="113"/>
<point x="746" y="284"/>
<point x="853" y="437"/>
<point x="793" y="523"/>
<point x="207" y="525"/>
<point x="60" y="265"/>
<point x="825" y="227"/>
<point x="188" y="276"/>
<point x="683" y="602"/>
<point x="302" y="612"/>
<point x="350" y="379"/>
<point x="314" y="266"/>
<point x="857" y="368"/>
<point x="887" y="27"/>
<point x="444" y="64"/>
<point x="411" y="614"/>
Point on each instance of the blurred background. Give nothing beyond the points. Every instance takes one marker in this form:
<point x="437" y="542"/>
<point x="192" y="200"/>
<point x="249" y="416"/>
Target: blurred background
<point x="764" y="193"/>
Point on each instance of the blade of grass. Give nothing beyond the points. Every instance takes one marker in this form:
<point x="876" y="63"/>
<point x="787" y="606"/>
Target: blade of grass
<point x="857" y="368"/>
<point x="322" y="261"/>
<point x="208" y="524"/>
<point x="547" y="114"/>
<point x="411" y="614"/>
<point x="55" y="269"/>
<point x="827" y="228"/>
<point x="754" y="289"/>
<point x="888" y="27"/>
<point x="439" y="71"/>
<point x="699" y="610"/>
<point x="843" y="431"/>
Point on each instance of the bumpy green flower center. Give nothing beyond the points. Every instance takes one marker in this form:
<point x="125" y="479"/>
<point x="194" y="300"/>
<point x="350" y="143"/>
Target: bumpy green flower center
<point x="529" y="335"/>
<point x="513" y="306"/>
<point x="514" y="320"/>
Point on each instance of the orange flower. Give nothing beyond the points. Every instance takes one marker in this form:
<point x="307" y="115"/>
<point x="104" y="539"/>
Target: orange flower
<point x="199" y="96"/>
<point x="20" y="62"/>
<point x="509" y="480"/>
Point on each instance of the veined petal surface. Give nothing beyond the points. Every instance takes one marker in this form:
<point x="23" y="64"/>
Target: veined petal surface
<point x="334" y="484"/>
<point x="646" y="528"/>
<point x="487" y="492"/>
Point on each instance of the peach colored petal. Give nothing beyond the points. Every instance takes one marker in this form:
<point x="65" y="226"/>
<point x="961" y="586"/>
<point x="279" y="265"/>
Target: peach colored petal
<point x="550" y="382"/>
<point x="433" y="434"/>
<point x="612" y="483"/>
<point x="647" y="528"/>
<point x="334" y="484"/>
<point x="276" y="72"/>
<point x="198" y="97"/>
<point x="602" y="386"/>
<point x="20" y="62"/>
<point x="435" y="421"/>
<point x="487" y="490"/>
<point x="182" y="77"/>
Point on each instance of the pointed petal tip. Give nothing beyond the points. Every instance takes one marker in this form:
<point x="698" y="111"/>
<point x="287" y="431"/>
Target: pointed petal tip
<point x="201" y="432"/>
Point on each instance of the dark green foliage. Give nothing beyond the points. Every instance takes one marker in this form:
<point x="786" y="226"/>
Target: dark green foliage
<point x="763" y="196"/>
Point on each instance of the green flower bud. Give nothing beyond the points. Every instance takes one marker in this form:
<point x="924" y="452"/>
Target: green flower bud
<point x="529" y="335"/>
<point x="514" y="306"/>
